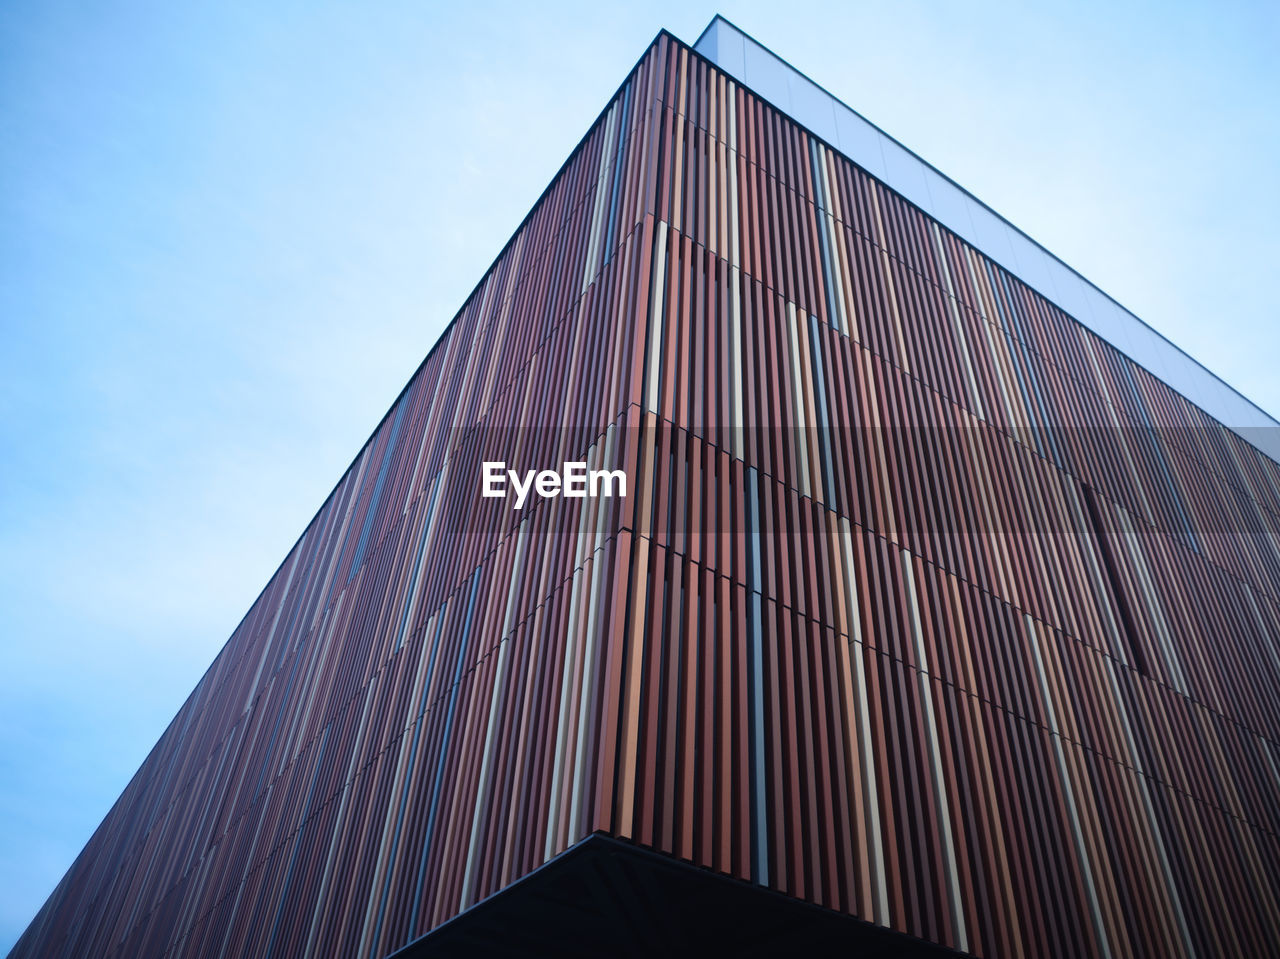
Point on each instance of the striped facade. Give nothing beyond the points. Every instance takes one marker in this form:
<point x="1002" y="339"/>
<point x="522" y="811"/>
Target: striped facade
<point x="926" y="604"/>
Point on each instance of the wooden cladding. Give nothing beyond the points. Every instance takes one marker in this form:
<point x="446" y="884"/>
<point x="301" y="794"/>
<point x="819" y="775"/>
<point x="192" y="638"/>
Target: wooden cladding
<point x="407" y="719"/>
<point x="926" y="604"/>
<point x="943" y="612"/>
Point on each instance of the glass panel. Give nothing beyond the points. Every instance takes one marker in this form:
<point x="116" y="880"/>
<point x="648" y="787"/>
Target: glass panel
<point x="1071" y="297"/>
<point x="767" y="75"/>
<point x="990" y="233"/>
<point x="1113" y="324"/>
<point x="948" y="204"/>
<point x="708" y="43"/>
<point x="905" y="174"/>
<point x="1031" y="262"/>
<point x="812" y="107"/>
<point x="1153" y="351"/>
<point x="859" y="141"/>
<point x="726" y="49"/>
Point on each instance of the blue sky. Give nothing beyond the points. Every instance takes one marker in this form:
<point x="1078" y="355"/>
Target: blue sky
<point x="228" y="234"/>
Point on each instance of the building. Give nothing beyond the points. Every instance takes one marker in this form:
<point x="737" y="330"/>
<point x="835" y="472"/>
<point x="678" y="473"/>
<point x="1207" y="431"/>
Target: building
<point x="931" y="620"/>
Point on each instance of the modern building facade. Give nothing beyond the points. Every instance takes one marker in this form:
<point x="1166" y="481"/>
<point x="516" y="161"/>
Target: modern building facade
<point x="942" y="613"/>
